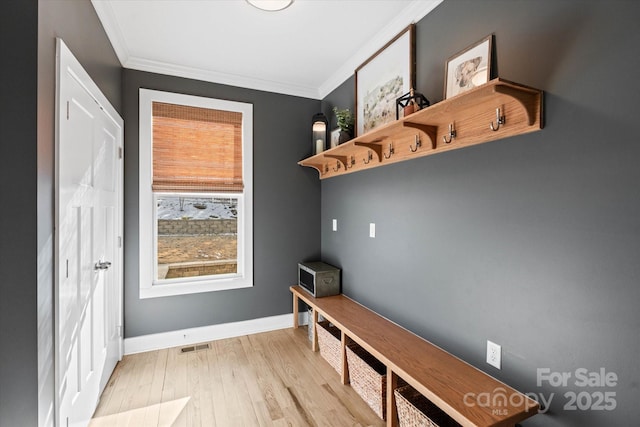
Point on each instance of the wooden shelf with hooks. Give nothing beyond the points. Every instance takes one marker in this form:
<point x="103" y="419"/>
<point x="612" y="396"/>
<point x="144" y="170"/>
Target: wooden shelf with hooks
<point x="471" y="117"/>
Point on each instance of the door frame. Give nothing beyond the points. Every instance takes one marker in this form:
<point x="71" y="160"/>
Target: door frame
<point x="65" y="60"/>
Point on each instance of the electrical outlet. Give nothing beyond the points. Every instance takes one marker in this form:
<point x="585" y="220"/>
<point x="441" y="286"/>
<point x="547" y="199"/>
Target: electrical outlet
<point x="334" y="225"/>
<point x="494" y="354"/>
<point x="372" y="230"/>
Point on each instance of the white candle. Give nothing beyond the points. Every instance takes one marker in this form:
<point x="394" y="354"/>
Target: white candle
<point x="319" y="146"/>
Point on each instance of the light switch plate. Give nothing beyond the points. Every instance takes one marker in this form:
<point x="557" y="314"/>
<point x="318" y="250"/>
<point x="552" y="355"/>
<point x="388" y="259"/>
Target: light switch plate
<point x="372" y="230"/>
<point x="334" y="225"/>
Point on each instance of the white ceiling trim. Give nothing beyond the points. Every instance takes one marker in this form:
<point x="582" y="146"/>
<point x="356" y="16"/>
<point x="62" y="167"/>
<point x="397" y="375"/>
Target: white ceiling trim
<point x="415" y="11"/>
<point x="221" y="78"/>
<point x="411" y="14"/>
<point x="114" y="32"/>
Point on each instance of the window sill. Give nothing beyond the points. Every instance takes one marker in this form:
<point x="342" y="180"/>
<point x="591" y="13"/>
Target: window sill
<point x="167" y="290"/>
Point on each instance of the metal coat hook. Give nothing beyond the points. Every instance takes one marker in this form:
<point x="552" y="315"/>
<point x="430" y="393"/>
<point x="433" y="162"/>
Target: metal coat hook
<point x="368" y="159"/>
<point x="391" y="151"/>
<point x="418" y="145"/>
<point x="499" y="119"/>
<point x="337" y="168"/>
<point x="451" y="134"/>
<point x="352" y="162"/>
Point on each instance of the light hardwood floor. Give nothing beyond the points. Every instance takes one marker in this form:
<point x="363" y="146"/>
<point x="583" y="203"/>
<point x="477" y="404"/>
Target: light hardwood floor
<point x="268" y="379"/>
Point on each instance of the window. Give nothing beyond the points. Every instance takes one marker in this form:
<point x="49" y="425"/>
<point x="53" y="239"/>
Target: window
<point x="195" y="194"/>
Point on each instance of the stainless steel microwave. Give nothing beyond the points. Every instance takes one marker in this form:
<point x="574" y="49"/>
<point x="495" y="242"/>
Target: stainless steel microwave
<point x="319" y="279"/>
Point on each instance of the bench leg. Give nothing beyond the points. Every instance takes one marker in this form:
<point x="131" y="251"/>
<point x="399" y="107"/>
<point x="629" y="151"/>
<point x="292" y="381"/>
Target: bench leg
<point x="345" y="365"/>
<point x="314" y="346"/>
<point x="295" y="311"/>
<point x="392" y="384"/>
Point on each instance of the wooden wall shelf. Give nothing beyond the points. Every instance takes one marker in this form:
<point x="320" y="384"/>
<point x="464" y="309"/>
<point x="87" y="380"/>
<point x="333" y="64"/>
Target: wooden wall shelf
<point x="445" y="380"/>
<point x="471" y="117"/>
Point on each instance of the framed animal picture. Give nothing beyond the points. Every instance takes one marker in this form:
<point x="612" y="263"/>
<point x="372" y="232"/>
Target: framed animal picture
<point x="468" y="68"/>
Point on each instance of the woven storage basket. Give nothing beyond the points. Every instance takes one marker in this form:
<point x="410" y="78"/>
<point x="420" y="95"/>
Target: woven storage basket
<point x="368" y="377"/>
<point x="310" y="323"/>
<point x="415" y="410"/>
<point x="330" y="344"/>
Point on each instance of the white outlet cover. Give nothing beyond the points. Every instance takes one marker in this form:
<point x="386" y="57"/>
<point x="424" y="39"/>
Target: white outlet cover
<point x="494" y="354"/>
<point x="334" y="225"/>
<point x="372" y="230"/>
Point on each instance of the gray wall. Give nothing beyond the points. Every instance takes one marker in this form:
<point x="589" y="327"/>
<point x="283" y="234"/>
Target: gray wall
<point x="286" y="205"/>
<point x="532" y="242"/>
<point x="18" y="250"/>
<point x="342" y="97"/>
<point x="28" y="29"/>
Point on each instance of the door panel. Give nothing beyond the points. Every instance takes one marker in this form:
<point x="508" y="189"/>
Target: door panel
<point x="88" y="205"/>
<point x="105" y="157"/>
<point x="106" y="201"/>
<point x="77" y="220"/>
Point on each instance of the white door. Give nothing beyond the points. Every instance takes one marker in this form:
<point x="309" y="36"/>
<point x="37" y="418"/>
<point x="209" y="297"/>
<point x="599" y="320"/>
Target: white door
<point x="88" y="242"/>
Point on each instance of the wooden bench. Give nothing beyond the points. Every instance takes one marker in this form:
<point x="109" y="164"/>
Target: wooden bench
<point x="450" y="383"/>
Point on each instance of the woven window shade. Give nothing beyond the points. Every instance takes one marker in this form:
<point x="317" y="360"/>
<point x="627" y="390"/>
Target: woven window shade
<point x="196" y="149"/>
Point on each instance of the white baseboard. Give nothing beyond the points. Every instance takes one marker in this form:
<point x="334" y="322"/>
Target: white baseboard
<point x="210" y="333"/>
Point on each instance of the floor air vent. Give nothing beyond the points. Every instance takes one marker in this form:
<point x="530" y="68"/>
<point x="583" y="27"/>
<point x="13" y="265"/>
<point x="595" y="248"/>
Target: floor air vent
<point x="194" y="348"/>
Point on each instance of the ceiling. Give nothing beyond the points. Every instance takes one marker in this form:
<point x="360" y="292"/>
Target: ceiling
<point x="306" y="50"/>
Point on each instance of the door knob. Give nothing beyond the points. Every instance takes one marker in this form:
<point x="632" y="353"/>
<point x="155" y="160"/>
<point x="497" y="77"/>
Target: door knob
<point x="102" y="265"/>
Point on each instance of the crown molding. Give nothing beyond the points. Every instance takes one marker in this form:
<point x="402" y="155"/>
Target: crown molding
<point x="220" y="78"/>
<point x="415" y="11"/>
<point x="114" y="32"/>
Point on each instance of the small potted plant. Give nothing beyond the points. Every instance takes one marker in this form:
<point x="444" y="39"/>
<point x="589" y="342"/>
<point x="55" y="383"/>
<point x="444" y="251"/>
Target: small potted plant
<point x="345" y="123"/>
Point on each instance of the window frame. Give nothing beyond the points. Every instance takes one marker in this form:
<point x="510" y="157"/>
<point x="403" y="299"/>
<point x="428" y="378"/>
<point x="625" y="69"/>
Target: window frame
<point x="149" y="288"/>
